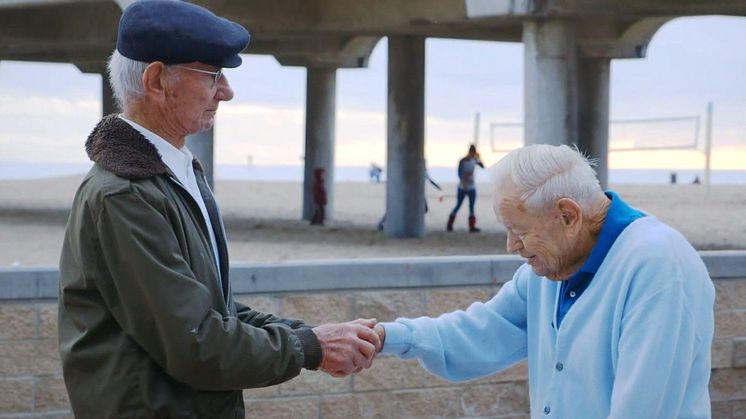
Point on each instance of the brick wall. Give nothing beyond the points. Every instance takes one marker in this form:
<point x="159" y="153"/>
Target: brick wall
<point x="30" y="374"/>
<point x="31" y="384"/>
<point x="392" y="387"/>
<point x="728" y="381"/>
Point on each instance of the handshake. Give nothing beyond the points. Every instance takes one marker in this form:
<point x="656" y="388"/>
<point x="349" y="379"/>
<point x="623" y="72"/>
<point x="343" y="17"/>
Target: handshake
<point x="348" y="348"/>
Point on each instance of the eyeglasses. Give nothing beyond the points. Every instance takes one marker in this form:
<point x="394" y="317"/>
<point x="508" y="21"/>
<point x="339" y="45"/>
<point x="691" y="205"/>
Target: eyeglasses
<point x="216" y="74"/>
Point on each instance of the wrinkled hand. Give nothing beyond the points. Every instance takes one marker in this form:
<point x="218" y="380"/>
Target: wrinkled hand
<point x="347" y="348"/>
<point x="381" y="332"/>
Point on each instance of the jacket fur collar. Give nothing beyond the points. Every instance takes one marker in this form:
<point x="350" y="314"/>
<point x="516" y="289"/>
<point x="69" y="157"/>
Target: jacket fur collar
<point x="122" y="150"/>
<point x="119" y="148"/>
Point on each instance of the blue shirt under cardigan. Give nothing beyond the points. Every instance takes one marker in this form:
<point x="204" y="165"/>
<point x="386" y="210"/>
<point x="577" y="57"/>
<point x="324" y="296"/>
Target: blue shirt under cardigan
<point x="618" y="217"/>
<point x="637" y="345"/>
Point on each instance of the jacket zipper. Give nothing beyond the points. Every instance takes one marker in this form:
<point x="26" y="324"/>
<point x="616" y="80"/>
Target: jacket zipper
<point x="203" y="226"/>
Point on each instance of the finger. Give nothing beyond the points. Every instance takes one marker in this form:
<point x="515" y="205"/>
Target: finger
<point x="358" y="369"/>
<point x="367" y="349"/>
<point x="381" y="332"/>
<point x="369" y="335"/>
<point x="338" y="374"/>
<point x="365" y="322"/>
<point x="370" y="362"/>
<point x="358" y="360"/>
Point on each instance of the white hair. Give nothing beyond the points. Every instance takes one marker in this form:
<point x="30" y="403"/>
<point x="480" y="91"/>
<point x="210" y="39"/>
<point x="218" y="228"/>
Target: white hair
<point x="542" y="173"/>
<point x="125" y="77"/>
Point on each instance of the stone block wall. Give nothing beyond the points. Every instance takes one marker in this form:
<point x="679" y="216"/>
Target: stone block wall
<point x="31" y="384"/>
<point x="30" y="373"/>
<point x="728" y="381"/>
<point x="392" y="388"/>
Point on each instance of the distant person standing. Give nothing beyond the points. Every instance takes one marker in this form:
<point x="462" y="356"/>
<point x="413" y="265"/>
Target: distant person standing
<point x="375" y="173"/>
<point x="319" y="197"/>
<point x="466" y="187"/>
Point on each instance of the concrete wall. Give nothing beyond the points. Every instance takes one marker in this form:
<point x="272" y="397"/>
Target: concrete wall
<point x="31" y="383"/>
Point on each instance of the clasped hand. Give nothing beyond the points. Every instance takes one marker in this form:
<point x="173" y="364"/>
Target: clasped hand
<point x="347" y="348"/>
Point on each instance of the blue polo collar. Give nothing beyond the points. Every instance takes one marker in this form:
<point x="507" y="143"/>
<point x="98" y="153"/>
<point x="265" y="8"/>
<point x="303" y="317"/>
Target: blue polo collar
<point x="618" y="217"/>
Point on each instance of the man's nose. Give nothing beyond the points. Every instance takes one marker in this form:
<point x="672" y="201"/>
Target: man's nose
<point x="513" y="243"/>
<point x="224" y="91"/>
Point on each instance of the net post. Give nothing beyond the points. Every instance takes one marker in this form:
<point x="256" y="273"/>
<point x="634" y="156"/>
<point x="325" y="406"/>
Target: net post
<point x="708" y="147"/>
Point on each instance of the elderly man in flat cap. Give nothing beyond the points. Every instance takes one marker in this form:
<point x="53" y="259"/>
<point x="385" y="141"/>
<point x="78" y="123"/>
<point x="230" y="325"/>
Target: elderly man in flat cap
<point x="147" y="323"/>
<point x="613" y="309"/>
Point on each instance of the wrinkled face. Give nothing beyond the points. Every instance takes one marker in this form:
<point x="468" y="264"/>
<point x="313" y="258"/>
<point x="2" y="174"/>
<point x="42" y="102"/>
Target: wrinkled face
<point x="192" y="97"/>
<point x="538" y="236"/>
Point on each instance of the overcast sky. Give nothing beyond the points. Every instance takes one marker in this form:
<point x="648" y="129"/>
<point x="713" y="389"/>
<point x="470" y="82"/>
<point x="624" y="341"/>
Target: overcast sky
<point x="47" y="110"/>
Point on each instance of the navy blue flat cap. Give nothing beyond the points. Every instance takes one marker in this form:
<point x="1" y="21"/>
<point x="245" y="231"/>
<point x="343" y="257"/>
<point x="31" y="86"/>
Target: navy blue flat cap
<point x="176" y="32"/>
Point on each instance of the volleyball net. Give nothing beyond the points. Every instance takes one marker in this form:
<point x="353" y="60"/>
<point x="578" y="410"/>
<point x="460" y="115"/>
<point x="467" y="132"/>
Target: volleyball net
<point x="639" y="134"/>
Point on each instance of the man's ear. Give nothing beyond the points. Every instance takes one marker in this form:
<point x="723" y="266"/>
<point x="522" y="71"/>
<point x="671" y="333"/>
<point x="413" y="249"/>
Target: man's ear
<point x="153" y="78"/>
<point x="570" y="214"/>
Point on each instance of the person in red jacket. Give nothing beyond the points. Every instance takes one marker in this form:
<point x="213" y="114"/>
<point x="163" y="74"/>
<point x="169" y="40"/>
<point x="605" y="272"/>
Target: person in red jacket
<point x="319" y="197"/>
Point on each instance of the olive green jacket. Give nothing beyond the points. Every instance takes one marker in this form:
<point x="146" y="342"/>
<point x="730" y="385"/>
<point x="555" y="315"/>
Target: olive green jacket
<point x="146" y="329"/>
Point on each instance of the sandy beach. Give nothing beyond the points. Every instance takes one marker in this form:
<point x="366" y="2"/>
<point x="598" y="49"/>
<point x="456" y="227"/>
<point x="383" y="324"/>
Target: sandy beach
<point x="263" y="225"/>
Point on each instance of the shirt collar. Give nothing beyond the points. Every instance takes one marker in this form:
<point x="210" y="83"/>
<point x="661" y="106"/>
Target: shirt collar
<point x="618" y="217"/>
<point x="178" y="160"/>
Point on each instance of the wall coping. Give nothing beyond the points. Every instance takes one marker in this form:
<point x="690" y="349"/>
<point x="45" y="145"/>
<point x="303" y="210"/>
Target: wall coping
<point x="31" y="283"/>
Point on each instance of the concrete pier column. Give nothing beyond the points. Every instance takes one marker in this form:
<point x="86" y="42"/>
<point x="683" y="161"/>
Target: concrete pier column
<point x="593" y="109"/>
<point x="405" y="160"/>
<point x="566" y="94"/>
<point x="202" y="146"/>
<point x="550" y="85"/>
<point x="321" y="91"/>
<point x="108" y="103"/>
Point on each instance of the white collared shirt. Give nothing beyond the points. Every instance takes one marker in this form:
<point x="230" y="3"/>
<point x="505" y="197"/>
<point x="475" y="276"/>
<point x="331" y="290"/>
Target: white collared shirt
<point x="180" y="163"/>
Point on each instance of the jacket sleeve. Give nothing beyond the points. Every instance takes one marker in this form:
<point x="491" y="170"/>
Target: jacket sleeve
<point x="258" y="319"/>
<point x="311" y="345"/>
<point x="152" y="293"/>
<point x="462" y="345"/>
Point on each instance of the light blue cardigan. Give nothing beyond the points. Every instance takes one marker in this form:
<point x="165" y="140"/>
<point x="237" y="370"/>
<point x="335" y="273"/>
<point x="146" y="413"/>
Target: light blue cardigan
<point x="636" y="344"/>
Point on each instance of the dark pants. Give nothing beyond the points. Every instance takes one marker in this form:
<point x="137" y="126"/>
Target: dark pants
<point x="318" y="215"/>
<point x="460" y="194"/>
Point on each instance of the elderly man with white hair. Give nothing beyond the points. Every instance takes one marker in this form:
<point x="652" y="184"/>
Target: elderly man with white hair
<point x="613" y="309"/>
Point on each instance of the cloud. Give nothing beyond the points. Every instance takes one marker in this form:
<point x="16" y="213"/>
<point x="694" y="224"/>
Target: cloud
<point x="48" y="129"/>
<point x="47" y="110"/>
<point x="276" y="135"/>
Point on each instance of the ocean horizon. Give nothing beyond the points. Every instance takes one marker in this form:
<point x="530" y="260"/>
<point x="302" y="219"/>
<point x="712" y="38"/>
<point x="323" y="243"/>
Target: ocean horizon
<point x="13" y="170"/>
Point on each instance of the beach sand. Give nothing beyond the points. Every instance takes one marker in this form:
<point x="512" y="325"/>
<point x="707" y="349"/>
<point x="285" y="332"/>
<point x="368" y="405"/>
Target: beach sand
<point x="263" y="220"/>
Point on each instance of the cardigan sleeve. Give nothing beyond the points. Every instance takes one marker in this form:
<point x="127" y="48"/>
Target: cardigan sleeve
<point x="462" y="345"/>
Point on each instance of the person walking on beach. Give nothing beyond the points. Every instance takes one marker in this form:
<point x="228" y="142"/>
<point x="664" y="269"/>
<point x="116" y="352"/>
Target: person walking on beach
<point x="148" y="326"/>
<point x="375" y="173"/>
<point x="613" y="309"/>
<point x="466" y="187"/>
